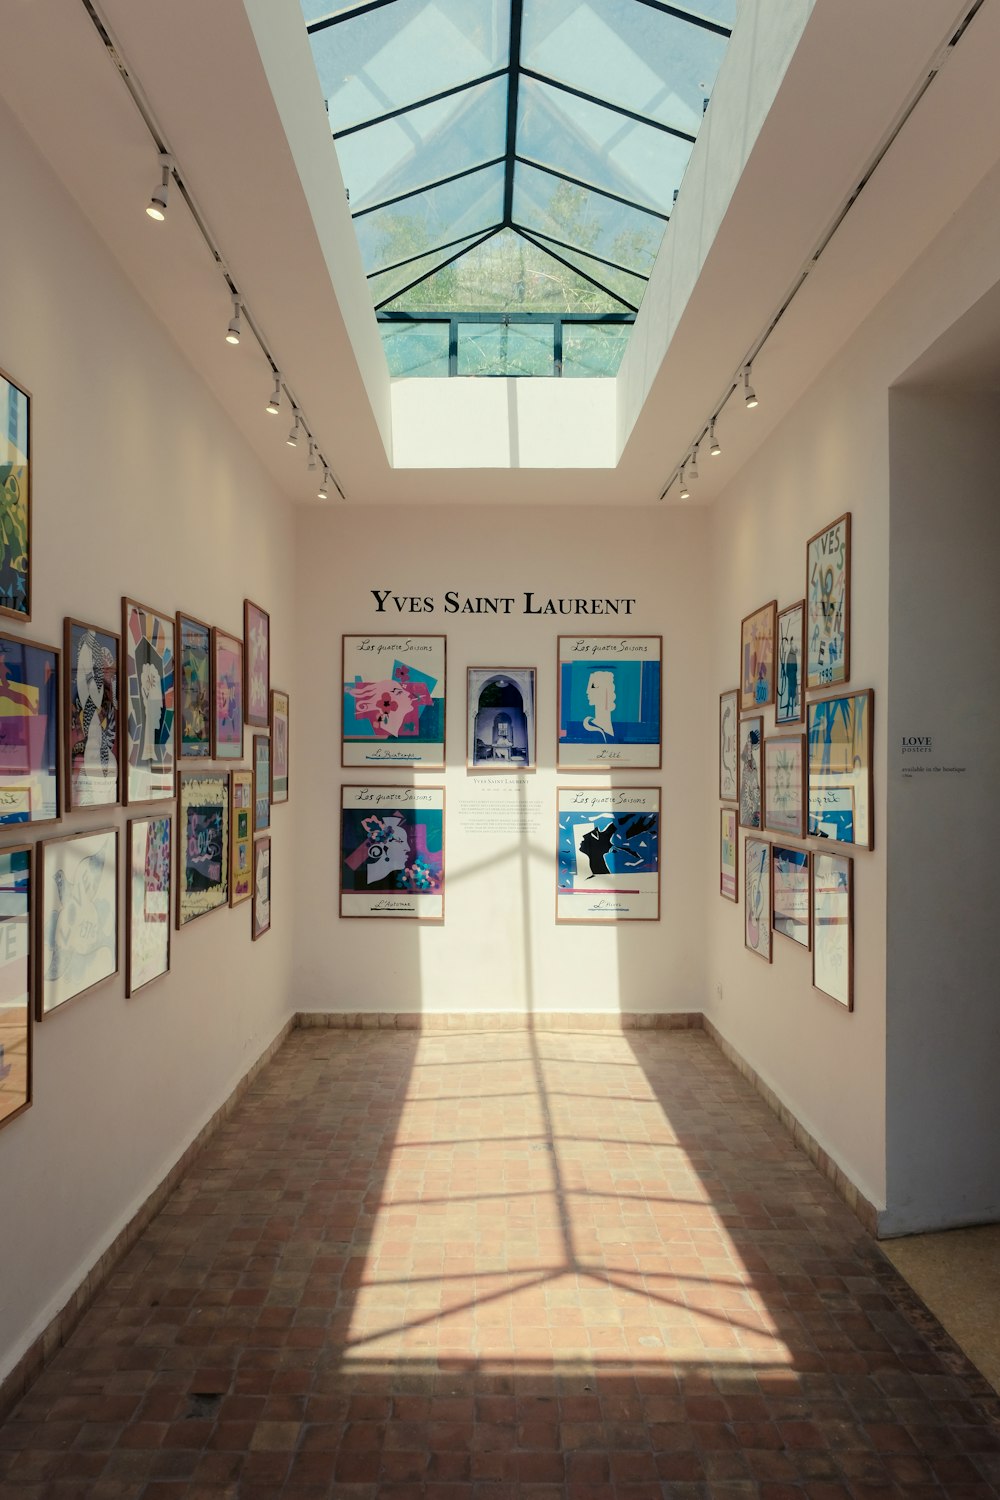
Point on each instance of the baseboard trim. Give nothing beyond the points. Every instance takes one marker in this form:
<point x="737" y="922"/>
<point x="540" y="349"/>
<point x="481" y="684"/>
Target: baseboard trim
<point x="58" y="1329"/>
<point x="503" y="1020"/>
<point x="859" y="1205"/>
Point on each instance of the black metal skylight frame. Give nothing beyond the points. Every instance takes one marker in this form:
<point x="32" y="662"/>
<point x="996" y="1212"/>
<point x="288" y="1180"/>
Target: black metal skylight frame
<point x="512" y="157"/>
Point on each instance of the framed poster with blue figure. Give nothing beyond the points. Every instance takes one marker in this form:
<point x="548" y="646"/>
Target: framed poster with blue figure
<point x="609" y="702"/>
<point x="608" y="854"/>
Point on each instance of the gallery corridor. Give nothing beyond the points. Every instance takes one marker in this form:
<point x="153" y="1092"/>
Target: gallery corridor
<point x="470" y="1266"/>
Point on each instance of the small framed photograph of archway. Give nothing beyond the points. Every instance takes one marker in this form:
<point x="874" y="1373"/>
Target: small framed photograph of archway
<point x="841" y="785"/>
<point x="608" y="854"/>
<point x="833" y="926"/>
<point x="393" y="701"/>
<point x="828" y="605"/>
<point x="501" y="719"/>
<point x="392" y="852"/>
<point x="609" y="702"/>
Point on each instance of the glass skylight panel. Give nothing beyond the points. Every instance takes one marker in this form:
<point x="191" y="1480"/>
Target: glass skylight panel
<point x="425" y="144"/>
<point x="456" y="210"/>
<point x="386" y="284"/>
<point x="627" y="53"/>
<point x="627" y="286"/>
<point x="416" y="348"/>
<point x="591" y="349"/>
<point x="401" y="53"/>
<point x="505" y="349"/>
<point x="566" y="212"/>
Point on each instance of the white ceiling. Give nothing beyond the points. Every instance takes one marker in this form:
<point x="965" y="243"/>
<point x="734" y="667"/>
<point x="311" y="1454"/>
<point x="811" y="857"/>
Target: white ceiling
<point x="852" y="76"/>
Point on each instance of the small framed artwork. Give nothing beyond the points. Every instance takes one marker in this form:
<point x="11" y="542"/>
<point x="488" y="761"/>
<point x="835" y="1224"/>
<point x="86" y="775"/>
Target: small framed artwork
<point x="392" y="852"/>
<point x="785" y="784"/>
<point x="757" y="658"/>
<point x="833" y="926"/>
<point x="227" y="716"/>
<point x="841" y="788"/>
<point x="828" y="605"/>
<point x="757" y="897"/>
<point x="750" y="739"/>
<point x="791" y="894"/>
<point x="791" y="646"/>
<point x="15" y="981"/>
<point x="148" y="885"/>
<point x="241" y="841"/>
<point x="501" y="719"/>
<point x="256" y="664"/>
<point x="90" y="705"/>
<point x="279" y="746"/>
<point x="194" y="718"/>
<point x="202" y="844"/>
<point x="728" y="867"/>
<point x="261" y="783"/>
<point x="29" y="732"/>
<point x="728" y="725"/>
<point x="77" y="916"/>
<point x="393" y="701"/>
<point x="608" y="854"/>
<point x="261" y="914"/>
<point x="148" y="637"/>
<point x="609" y="710"/>
<point x="15" y="496"/>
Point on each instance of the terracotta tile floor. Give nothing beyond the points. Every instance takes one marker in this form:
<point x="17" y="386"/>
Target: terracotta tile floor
<point x="562" y="1266"/>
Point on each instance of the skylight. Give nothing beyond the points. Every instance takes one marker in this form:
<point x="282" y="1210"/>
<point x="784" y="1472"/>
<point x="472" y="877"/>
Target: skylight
<point x="512" y="165"/>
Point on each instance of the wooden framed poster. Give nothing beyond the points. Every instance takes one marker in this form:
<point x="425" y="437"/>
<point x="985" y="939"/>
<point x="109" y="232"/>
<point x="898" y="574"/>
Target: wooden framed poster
<point x="194" y="681"/>
<point x="791" y="894"/>
<point x="609" y="708"/>
<point x="608" y="854"/>
<point x="227" y="677"/>
<point x="148" y="637"/>
<point x="90" y="715"/>
<point x="257" y="664"/>
<point x="728" y="855"/>
<point x="393" y="701"/>
<point x="791" y="649"/>
<point x="728" y="762"/>
<point x="15" y="981"/>
<point x="841" y="777"/>
<point x="202" y="844"/>
<point x="261" y="783"/>
<point x="241" y="844"/>
<point x="751" y="739"/>
<point x="279" y="746"/>
<point x="785" y="784"/>
<point x="757" y="657"/>
<point x="392" y="852"/>
<point x="148" y="886"/>
<point x="77" y="879"/>
<point x="828" y="605"/>
<point x="261" y="912"/>
<point x="757" y="897"/>
<point x="29" y="732"/>
<point x="500" y="719"/>
<point x="833" y="926"/>
<point x="15" y="500"/>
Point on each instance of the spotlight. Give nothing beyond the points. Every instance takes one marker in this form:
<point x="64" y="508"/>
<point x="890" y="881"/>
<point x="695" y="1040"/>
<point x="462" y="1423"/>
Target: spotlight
<point x="293" y="437"/>
<point x="233" y="331"/>
<point x="323" y="493"/>
<point x="685" y="493"/>
<point x="714" y="446"/>
<point x="312" y="456"/>
<point x="157" y="205"/>
<point x="749" y="394"/>
<point x="693" y="471"/>
<point x="274" y="405"/>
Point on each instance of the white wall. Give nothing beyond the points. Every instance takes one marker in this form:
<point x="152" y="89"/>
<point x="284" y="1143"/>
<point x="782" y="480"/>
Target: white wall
<point x="499" y="947"/>
<point x="140" y="487"/>
<point x="829" y="455"/>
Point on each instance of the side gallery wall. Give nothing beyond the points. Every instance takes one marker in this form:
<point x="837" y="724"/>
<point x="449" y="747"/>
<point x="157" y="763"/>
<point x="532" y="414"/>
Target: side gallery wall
<point x="499" y="947"/>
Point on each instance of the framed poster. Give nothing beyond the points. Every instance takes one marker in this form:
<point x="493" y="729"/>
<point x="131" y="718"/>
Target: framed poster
<point x="751" y="737"/>
<point x="29" y="732"/>
<point x="261" y="911"/>
<point x="256" y="664"/>
<point x="15" y="500"/>
<point x="148" y="638"/>
<point x="279" y="746"/>
<point x="608" y="854"/>
<point x="757" y="897"/>
<point x="392" y="852"/>
<point x="828" y="605"/>
<point x="90" y="706"/>
<point x="757" y="657"/>
<point x="833" y="926"/>
<point x="393" y="701"/>
<point x="609" y="711"/>
<point x="202" y="844"/>
<point x="261" y="783"/>
<point x="729" y="845"/>
<point x="500" y="725"/>
<point x="791" y="894"/>
<point x="147" y="901"/>
<point x="15" y="981"/>
<point x="841" y="790"/>
<point x="194" y="717"/>
<point x="241" y="850"/>
<point x="227" y="716"/>
<point x="785" y="784"/>
<point x="77" y="916"/>
<point x="791" y="648"/>
<point x="728" y="722"/>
